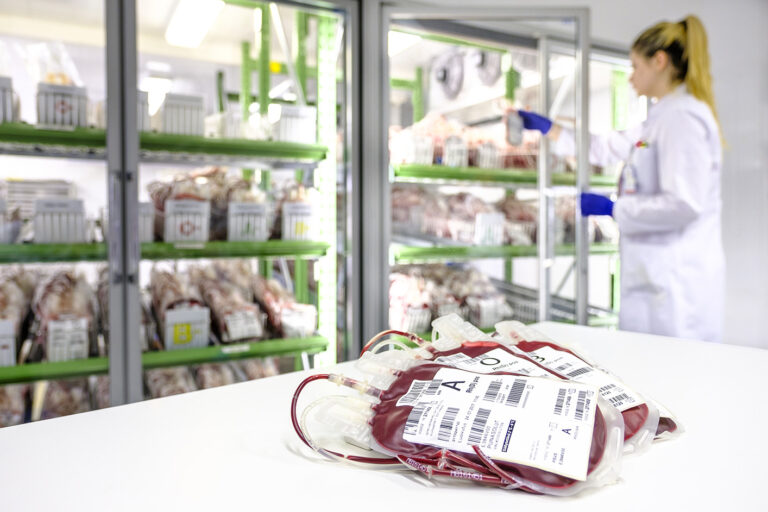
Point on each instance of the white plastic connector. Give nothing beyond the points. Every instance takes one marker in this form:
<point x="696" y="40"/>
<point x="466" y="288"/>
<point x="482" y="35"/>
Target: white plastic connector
<point x="514" y="332"/>
<point x="346" y="416"/>
<point x="450" y="331"/>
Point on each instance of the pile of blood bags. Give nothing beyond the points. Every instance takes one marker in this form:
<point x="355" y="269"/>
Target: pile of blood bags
<point x="513" y="409"/>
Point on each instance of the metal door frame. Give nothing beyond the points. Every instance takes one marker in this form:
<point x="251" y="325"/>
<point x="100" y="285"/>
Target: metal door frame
<point x="377" y="15"/>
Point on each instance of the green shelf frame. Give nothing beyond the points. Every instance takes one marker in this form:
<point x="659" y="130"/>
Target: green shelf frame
<point x="38" y="139"/>
<point x="32" y="372"/>
<point x="268" y="249"/>
<point x="511" y="176"/>
<point x="409" y="254"/>
<point x="221" y="353"/>
<point x="49" y="253"/>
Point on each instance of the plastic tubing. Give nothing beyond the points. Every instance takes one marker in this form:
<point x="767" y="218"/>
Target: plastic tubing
<point x="411" y="337"/>
<point x="297" y="425"/>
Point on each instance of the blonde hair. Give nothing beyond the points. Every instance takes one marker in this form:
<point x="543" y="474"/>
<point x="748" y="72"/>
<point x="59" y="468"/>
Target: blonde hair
<point x="685" y="42"/>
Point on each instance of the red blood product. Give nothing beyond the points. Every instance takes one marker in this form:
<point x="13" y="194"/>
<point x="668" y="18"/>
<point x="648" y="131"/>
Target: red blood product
<point x="389" y="423"/>
<point x="634" y="418"/>
<point x="392" y="420"/>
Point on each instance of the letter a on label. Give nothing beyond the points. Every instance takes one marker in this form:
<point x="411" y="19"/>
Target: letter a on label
<point x="453" y="384"/>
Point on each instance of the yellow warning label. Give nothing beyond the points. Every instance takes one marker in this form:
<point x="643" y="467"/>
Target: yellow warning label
<point x="182" y="334"/>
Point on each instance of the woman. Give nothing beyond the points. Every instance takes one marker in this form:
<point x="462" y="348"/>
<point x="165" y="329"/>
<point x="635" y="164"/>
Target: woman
<point x="668" y="206"/>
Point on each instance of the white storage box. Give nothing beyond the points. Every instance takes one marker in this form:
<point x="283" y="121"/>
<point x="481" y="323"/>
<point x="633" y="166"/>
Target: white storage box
<point x="224" y="125"/>
<point x="180" y="114"/>
<point x="7" y="343"/>
<point x="61" y="106"/>
<point x="67" y="339"/>
<point x="187" y="220"/>
<point x="455" y="152"/>
<point x="489" y="229"/>
<point x="7" y="114"/>
<point x="242" y="325"/>
<point x="488" y="156"/>
<point x="488" y="311"/>
<point x="417" y="150"/>
<point x="412" y="319"/>
<point x="146" y="222"/>
<point x="299" y="320"/>
<point x="59" y="221"/>
<point x="298" y="221"/>
<point x="296" y="124"/>
<point x="247" y="222"/>
<point x="186" y="328"/>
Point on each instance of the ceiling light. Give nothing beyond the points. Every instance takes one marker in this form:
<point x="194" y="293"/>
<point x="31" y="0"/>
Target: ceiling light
<point x="398" y="42"/>
<point x="191" y="21"/>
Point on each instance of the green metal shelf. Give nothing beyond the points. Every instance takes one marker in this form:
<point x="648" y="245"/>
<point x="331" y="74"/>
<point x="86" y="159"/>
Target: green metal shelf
<point x="20" y="138"/>
<point x="220" y="353"/>
<point x="268" y="249"/>
<point x="31" y="372"/>
<point x="408" y="254"/>
<point x="511" y="176"/>
<point x="46" y="253"/>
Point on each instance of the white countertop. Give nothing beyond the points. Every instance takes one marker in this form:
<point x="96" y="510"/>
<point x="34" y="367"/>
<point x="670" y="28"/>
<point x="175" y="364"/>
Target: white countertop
<point x="234" y="447"/>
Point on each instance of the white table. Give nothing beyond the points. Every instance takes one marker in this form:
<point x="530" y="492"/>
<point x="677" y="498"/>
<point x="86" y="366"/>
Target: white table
<point x="234" y="447"/>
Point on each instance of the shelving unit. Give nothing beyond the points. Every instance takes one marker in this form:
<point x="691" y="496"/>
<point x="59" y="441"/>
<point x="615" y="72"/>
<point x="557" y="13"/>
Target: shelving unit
<point x="32" y="372"/>
<point x="414" y="254"/>
<point x="314" y="163"/>
<point x="439" y="174"/>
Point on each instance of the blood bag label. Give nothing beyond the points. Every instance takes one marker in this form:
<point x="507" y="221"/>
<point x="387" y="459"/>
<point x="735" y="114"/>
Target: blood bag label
<point x="566" y="364"/>
<point x="242" y="325"/>
<point x="67" y="339"/>
<point x="542" y="423"/>
<point x="496" y="360"/>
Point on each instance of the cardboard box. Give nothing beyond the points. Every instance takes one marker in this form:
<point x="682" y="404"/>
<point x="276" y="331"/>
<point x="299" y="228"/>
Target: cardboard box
<point x="186" y="327"/>
<point x="59" y="221"/>
<point x="61" y="106"/>
<point x="187" y="220"/>
<point x="247" y="222"/>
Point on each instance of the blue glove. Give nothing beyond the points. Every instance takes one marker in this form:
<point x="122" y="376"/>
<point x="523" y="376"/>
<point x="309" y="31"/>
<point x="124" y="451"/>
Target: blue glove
<point x="595" y="204"/>
<point x="534" y="121"/>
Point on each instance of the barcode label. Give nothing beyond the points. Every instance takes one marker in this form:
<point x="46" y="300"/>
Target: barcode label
<point x="579" y="371"/>
<point x="414" y="393"/>
<point x="619" y="399"/>
<point x="446" y="425"/>
<point x="516" y="393"/>
<point x="510" y="417"/>
<point x="559" y="402"/>
<point x="580" y="403"/>
<point x="412" y="423"/>
<point x="563" y="367"/>
<point x="478" y="426"/>
<point x="493" y="391"/>
<point x="496" y="360"/>
<point x="607" y="388"/>
<point x="433" y="387"/>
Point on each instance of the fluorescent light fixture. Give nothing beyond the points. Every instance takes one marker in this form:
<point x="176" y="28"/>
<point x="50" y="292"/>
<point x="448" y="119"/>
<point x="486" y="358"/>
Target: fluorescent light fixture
<point x="398" y="42"/>
<point x="191" y="21"/>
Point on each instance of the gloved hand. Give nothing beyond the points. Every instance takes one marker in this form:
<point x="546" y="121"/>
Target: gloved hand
<point x="595" y="204"/>
<point x="534" y="121"/>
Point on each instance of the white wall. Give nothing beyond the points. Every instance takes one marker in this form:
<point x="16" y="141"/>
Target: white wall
<point x="739" y="50"/>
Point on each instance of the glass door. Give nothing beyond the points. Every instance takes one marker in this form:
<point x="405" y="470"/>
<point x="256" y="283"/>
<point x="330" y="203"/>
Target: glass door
<point x="243" y="146"/>
<point x="55" y="284"/>
<point x="467" y="192"/>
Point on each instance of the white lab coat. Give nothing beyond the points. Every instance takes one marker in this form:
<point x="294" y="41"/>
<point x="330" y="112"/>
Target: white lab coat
<point x="668" y="212"/>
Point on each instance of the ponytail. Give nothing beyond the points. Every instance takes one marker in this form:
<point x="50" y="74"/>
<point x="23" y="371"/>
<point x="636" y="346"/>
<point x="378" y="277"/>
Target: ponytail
<point x="685" y="43"/>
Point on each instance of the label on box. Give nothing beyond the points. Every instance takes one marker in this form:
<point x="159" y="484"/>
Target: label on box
<point x="7" y="343"/>
<point x="496" y="360"/>
<point x="297" y="221"/>
<point x="489" y="228"/>
<point x="573" y="368"/>
<point x="186" y="327"/>
<point x="542" y="423"/>
<point x="67" y="339"/>
<point x="248" y="208"/>
<point x="243" y="325"/>
<point x="59" y="206"/>
<point x="187" y="220"/>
